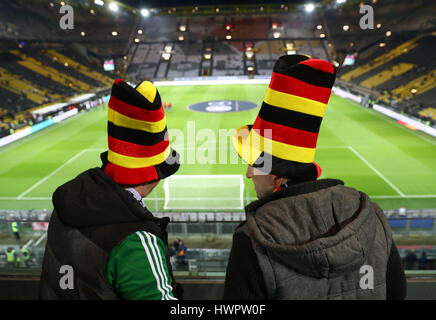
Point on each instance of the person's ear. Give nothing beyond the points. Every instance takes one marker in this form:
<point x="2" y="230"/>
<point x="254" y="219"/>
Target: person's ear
<point x="278" y="181"/>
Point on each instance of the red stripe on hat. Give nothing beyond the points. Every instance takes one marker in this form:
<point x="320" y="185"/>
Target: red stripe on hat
<point x="289" y="85"/>
<point x="134" y="112"/>
<point x="136" y="150"/>
<point x="128" y="176"/>
<point x="319" y="64"/>
<point x="284" y="134"/>
<point x="118" y="81"/>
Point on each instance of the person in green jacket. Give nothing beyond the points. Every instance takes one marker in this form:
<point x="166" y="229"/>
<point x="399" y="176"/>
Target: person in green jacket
<point x="11" y="256"/>
<point x="15" y="230"/>
<point x="26" y="255"/>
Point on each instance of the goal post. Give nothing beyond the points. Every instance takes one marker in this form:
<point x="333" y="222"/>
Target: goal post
<point x="204" y="192"/>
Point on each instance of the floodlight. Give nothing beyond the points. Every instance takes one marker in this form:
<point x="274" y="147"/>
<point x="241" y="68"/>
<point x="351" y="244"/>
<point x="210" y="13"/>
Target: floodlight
<point x="309" y="7"/>
<point x="145" y="12"/>
<point x="113" y="7"/>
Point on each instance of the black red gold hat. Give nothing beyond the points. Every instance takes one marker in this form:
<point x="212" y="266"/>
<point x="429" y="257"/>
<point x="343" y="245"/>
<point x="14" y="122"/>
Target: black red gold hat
<point x="138" y="143"/>
<point x="286" y="129"/>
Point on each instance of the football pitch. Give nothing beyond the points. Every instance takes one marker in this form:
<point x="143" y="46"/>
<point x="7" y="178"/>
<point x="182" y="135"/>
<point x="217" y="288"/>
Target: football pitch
<point x="368" y="151"/>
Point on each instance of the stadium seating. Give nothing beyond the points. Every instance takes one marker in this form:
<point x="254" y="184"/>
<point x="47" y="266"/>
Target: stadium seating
<point x="386" y="75"/>
<point x="380" y="60"/>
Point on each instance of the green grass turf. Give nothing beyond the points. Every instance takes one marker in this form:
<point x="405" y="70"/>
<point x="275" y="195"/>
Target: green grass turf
<point x="366" y="150"/>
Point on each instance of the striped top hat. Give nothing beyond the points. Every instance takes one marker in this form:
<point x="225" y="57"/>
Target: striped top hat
<point x="138" y="143"/>
<point x="286" y="129"/>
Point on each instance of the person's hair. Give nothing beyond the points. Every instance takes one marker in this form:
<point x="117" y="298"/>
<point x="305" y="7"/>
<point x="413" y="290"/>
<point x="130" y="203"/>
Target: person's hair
<point x="137" y="185"/>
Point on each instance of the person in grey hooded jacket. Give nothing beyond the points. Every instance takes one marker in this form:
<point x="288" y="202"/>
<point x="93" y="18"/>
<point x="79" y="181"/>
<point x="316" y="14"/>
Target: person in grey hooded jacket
<point x="305" y="238"/>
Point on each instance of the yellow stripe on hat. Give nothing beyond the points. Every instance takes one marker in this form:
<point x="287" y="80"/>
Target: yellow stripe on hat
<point x="250" y="145"/>
<point x="246" y="150"/>
<point x="295" y="103"/>
<point x="127" y="122"/>
<point x="148" y="90"/>
<point x="135" y="163"/>
<point x="283" y="150"/>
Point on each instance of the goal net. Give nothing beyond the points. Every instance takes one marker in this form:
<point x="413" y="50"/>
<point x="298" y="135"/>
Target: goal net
<point x="204" y="192"/>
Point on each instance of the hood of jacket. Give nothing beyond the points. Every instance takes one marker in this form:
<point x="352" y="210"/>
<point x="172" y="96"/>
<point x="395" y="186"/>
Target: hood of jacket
<point x="321" y="229"/>
<point x="95" y="199"/>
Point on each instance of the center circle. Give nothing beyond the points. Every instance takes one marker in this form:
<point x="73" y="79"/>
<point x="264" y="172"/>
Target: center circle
<point x="218" y="108"/>
<point x="222" y="106"/>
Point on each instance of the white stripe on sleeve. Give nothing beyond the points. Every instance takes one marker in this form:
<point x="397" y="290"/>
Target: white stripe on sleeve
<point x="151" y="262"/>
<point x="160" y="269"/>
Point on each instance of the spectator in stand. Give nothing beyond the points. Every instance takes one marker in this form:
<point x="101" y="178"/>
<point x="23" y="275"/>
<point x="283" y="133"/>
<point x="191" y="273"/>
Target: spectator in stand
<point x="305" y="238"/>
<point x="411" y="260"/>
<point x="181" y="250"/>
<point x="422" y="261"/>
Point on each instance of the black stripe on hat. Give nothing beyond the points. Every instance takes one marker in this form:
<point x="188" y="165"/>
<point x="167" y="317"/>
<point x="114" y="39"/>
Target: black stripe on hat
<point x="169" y="166"/>
<point x="123" y="91"/>
<point x="289" y="118"/>
<point x="307" y="74"/>
<point x="296" y="171"/>
<point x="140" y="137"/>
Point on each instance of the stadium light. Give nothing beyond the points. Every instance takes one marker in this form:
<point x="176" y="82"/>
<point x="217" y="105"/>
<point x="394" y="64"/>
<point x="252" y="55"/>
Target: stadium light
<point x="340" y="1"/>
<point x="82" y="33"/>
<point x="228" y="37"/>
<point x="62" y="3"/>
<point x="136" y="40"/>
<point x="99" y="2"/>
<point x="182" y="28"/>
<point x="275" y="25"/>
<point x="181" y="38"/>
<point x="309" y="7"/>
<point x="379" y="25"/>
<point x="276" y="35"/>
<point x="249" y="53"/>
<point x="113" y="7"/>
<point x="322" y="35"/>
<point x="319" y="27"/>
<point x="346" y="27"/>
<point x="388" y="33"/>
<point x="114" y="33"/>
<point x="145" y="12"/>
<point x="139" y="31"/>
<point x="166" y="56"/>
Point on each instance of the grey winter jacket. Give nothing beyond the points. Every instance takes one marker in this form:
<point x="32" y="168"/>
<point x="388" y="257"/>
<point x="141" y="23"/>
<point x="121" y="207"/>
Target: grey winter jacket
<point x="330" y="243"/>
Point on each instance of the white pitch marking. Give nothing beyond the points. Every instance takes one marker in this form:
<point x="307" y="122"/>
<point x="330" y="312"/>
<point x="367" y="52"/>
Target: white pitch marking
<point x="376" y="171"/>
<point x="51" y="174"/>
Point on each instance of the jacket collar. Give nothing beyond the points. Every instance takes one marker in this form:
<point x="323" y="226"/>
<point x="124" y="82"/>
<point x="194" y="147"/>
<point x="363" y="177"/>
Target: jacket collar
<point x="292" y="189"/>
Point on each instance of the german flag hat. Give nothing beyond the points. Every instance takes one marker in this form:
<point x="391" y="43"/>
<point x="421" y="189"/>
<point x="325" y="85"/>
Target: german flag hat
<point x="286" y="129"/>
<point x="138" y="142"/>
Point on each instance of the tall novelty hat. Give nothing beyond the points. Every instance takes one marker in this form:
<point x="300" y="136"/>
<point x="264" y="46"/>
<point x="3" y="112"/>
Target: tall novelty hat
<point x="286" y="129"/>
<point x="138" y="143"/>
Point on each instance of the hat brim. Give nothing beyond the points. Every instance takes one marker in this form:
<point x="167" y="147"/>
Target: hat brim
<point x="137" y="176"/>
<point x="251" y="154"/>
<point x="243" y="146"/>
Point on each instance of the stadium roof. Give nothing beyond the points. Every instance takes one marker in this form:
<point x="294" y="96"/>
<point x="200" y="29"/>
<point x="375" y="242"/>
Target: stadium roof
<point x="178" y="3"/>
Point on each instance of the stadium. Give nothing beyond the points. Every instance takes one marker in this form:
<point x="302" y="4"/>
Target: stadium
<point x="212" y="64"/>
